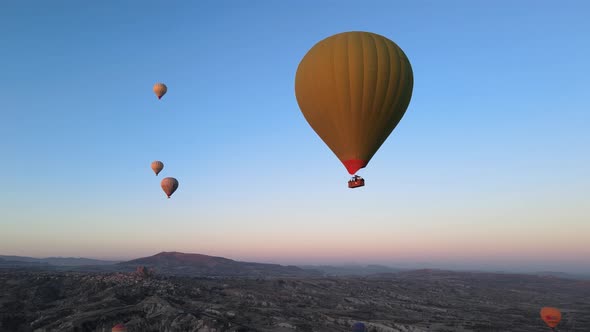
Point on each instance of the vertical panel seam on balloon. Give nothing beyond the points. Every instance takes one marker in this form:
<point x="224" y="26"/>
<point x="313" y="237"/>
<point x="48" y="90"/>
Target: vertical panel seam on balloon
<point x="334" y="119"/>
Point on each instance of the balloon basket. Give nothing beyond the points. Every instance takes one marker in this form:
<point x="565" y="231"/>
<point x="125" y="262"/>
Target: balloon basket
<point x="356" y="182"/>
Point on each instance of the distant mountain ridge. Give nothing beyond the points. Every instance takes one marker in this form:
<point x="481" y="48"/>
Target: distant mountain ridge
<point x="351" y="270"/>
<point x="9" y="263"/>
<point x="177" y="263"/>
<point x="173" y="258"/>
<point x="58" y="261"/>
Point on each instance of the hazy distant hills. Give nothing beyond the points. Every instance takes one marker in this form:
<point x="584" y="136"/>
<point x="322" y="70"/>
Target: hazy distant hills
<point x="167" y="263"/>
<point x="176" y="263"/>
<point x="9" y="263"/>
<point x="178" y="259"/>
<point x="57" y="261"/>
<point x="351" y="270"/>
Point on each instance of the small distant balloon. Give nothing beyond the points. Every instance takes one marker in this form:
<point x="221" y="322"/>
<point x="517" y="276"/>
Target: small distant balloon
<point x="119" y="328"/>
<point x="160" y="90"/>
<point x="157" y="166"/>
<point x="551" y="316"/>
<point x="359" y="327"/>
<point x="169" y="185"/>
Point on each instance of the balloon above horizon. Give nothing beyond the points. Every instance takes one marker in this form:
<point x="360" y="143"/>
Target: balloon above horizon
<point x="160" y="90"/>
<point x="169" y="185"/>
<point x="551" y="316"/>
<point x="157" y="166"/>
<point x="353" y="88"/>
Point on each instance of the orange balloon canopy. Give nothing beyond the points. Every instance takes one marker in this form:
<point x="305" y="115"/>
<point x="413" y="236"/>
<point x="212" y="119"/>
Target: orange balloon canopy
<point x="551" y="316"/>
<point x="169" y="185"/>
<point x="157" y="166"/>
<point x="353" y="88"/>
<point x="160" y="90"/>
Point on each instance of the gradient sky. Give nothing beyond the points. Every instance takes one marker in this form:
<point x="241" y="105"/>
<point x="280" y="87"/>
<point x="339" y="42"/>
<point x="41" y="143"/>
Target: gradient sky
<point x="490" y="166"/>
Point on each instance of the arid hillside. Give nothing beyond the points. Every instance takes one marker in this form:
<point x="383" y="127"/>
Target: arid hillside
<point x="423" y="300"/>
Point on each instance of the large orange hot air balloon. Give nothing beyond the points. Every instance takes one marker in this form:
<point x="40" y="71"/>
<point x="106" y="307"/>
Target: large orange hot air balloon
<point x="119" y="328"/>
<point x="160" y="90"/>
<point x="551" y="316"/>
<point x="157" y="166"/>
<point x="169" y="185"/>
<point x="353" y="89"/>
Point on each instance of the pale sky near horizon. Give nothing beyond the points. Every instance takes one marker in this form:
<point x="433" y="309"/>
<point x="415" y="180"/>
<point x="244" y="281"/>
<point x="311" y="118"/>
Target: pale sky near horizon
<point x="489" y="166"/>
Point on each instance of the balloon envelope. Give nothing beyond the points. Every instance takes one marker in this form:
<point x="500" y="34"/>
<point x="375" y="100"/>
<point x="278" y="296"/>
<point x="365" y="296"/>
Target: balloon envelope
<point x="169" y="185"/>
<point x="119" y="328"/>
<point x="551" y="316"/>
<point x="157" y="166"/>
<point x="359" y="327"/>
<point x="160" y="89"/>
<point x="353" y="88"/>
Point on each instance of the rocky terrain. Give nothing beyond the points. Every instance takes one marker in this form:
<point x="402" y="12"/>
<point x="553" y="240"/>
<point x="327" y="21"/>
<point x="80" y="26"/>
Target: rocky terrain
<point x="423" y="300"/>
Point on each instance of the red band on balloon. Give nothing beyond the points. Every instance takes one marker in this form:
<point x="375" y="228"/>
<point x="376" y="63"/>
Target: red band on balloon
<point x="353" y="165"/>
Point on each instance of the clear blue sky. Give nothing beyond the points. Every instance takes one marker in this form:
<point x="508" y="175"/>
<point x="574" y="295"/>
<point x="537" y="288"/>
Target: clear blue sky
<point x="490" y="163"/>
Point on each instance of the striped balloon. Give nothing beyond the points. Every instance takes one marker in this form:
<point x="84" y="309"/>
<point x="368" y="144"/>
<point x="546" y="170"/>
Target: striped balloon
<point x="353" y="89"/>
